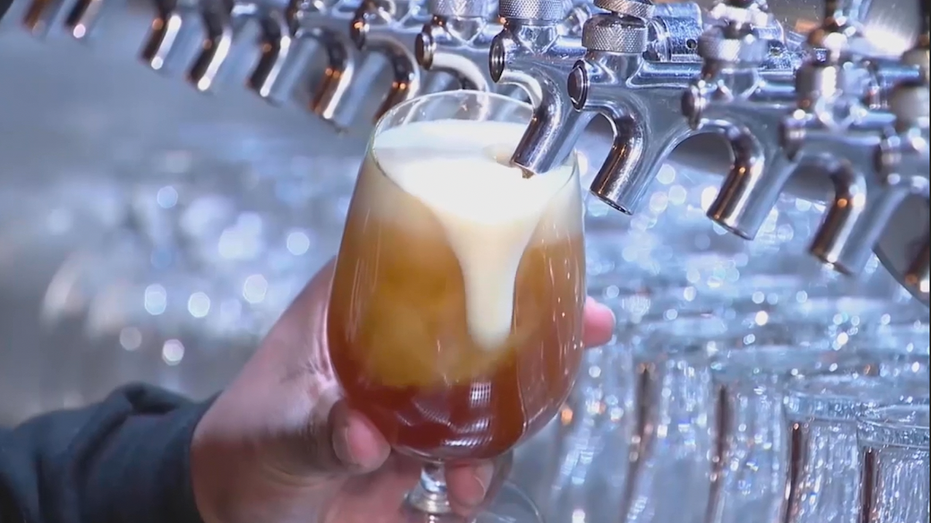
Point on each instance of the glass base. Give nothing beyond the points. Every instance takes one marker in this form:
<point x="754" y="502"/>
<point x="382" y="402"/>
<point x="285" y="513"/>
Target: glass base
<point x="509" y="506"/>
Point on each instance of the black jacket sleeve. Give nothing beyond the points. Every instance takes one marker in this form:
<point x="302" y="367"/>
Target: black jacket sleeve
<point x="124" y="460"/>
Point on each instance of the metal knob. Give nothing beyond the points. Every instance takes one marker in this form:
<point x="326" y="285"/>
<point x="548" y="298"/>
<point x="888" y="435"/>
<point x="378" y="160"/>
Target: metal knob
<point x="458" y="8"/>
<point x="615" y="34"/>
<point x="541" y="10"/>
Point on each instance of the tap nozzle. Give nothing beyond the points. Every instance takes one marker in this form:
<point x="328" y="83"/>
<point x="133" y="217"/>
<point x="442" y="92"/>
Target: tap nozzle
<point x="389" y="27"/>
<point x="456" y="41"/>
<point x="174" y="31"/>
<point x="531" y="52"/>
<point x="278" y="46"/>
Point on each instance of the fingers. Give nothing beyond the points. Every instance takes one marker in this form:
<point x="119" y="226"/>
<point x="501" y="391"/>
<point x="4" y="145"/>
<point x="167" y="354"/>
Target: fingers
<point x="357" y="446"/>
<point x="469" y="486"/>
<point x="598" y="324"/>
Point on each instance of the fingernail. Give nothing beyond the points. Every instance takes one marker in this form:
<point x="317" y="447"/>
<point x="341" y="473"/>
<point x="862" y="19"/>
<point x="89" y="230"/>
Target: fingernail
<point x="342" y="447"/>
<point x="481" y="479"/>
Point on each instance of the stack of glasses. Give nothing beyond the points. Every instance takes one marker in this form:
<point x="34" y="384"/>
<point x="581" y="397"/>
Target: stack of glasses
<point x="737" y="382"/>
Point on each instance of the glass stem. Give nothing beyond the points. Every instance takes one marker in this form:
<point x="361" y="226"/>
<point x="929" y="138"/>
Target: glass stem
<point x="429" y="496"/>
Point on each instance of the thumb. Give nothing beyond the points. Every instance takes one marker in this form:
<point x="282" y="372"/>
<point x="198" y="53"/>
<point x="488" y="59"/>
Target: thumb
<point x="347" y="442"/>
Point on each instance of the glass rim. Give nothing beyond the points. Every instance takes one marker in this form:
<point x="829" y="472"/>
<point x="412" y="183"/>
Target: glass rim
<point x="406" y="104"/>
<point x="900" y="425"/>
<point x="844" y="397"/>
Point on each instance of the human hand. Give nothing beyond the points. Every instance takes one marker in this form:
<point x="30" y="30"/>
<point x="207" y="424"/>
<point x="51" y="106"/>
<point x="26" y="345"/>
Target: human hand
<point x="280" y="445"/>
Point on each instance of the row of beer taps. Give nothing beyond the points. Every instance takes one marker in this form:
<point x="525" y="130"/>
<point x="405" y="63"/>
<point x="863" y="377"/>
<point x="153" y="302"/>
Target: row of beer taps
<point x="660" y="73"/>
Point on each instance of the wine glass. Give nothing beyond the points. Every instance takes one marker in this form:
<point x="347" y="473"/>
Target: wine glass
<point x="455" y="320"/>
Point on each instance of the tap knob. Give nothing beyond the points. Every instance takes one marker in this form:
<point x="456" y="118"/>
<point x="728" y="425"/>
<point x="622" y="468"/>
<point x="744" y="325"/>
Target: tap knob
<point x="552" y="11"/>
<point x="531" y="52"/>
<point x="389" y="28"/>
<point x="174" y="32"/>
<point x="456" y="41"/>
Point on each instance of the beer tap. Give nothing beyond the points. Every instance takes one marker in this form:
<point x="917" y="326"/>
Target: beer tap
<point x="174" y="30"/>
<point x="634" y="76"/>
<point x="389" y="28"/>
<point x="532" y="52"/>
<point x="456" y="41"/>
<point x="902" y="161"/>
<point x="745" y="87"/>
<point x="227" y="25"/>
<point x="319" y="25"/>
<point x="828" y="135"/>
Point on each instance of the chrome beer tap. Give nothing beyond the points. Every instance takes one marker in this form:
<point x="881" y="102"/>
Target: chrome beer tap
<point x="389" y="28"/>
<point x="902" y="162"/>
<point x="746" y="85"/>
<point x="231" y="29"/>
<point x="633" y="74"/>
<point x="456" y="41"/>
<point x="839" y="121"/>
<point x="174" y="30"/>
<point x="323" y="26"/>
<point x="532" y="52"/>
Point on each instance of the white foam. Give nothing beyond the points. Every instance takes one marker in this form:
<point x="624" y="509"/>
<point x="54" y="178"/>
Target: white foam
<point x="488" y="210"/>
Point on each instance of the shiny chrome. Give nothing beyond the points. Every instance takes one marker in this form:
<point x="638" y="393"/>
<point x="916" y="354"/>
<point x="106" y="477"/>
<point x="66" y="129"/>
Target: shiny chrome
<point x="389" y="28"/>
<point x="175" y="29"/>
<point x="631" y="76"/>
<point x="745" y="87"/>
<point x="902" y="161"/>
<point x="533" y="53"/>
<point x="456" y="41"/>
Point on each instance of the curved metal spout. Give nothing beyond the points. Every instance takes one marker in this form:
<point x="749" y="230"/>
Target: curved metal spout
<point x="459" y="44"/>
<point x="380" y="26"/>
<point x="218" y="22"/>
<point x="639" y="97"/>
<point x="174" y="29"/>
<point x="277" y="45"/>
<point x="530" y="52"/>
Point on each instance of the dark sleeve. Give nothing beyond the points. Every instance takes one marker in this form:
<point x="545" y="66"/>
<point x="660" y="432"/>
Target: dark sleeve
<point x="4" y="5"/>
<point x="124" y="460"/>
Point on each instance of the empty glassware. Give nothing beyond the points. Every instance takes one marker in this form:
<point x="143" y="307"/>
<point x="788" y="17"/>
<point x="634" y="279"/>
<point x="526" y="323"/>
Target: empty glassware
<point x="894" y="443"/>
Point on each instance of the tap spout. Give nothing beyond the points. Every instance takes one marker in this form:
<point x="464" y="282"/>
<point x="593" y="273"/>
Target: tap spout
<point x="388" y="28"/>
<point x="741" y="94"/>
<point x="174" y="30"/>
<point x="277" y="44"/>
<point x="640" y="101"/>
<point x="530" y="52"/>
<point x="456" y="41"/>
<point x="219" y="18"/>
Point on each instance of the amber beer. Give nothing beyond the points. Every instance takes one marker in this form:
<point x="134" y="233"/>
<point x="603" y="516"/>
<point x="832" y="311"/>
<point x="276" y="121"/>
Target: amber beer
<point x="456" y="312"/>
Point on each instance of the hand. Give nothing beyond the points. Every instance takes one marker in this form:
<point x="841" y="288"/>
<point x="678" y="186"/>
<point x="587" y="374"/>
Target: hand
<point x="279" y="445"/>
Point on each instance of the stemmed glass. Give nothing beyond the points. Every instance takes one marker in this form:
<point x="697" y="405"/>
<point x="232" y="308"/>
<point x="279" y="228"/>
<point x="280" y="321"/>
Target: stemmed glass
<point x="456" y="312"/>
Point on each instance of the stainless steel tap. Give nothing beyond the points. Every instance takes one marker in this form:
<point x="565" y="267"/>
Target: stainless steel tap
<point x="316" y="26"/>
<point x="634" y="77"/>
<point x="457" y="39"/>
<point x="389" y="28"/>
<point x="232" y="30"/>
<point x="174" y="30"/>
<point x="532" y="52"/>
<point x="837" y="121"/>
<point x="902" y="161"/>
<point x="746" y="85"/>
